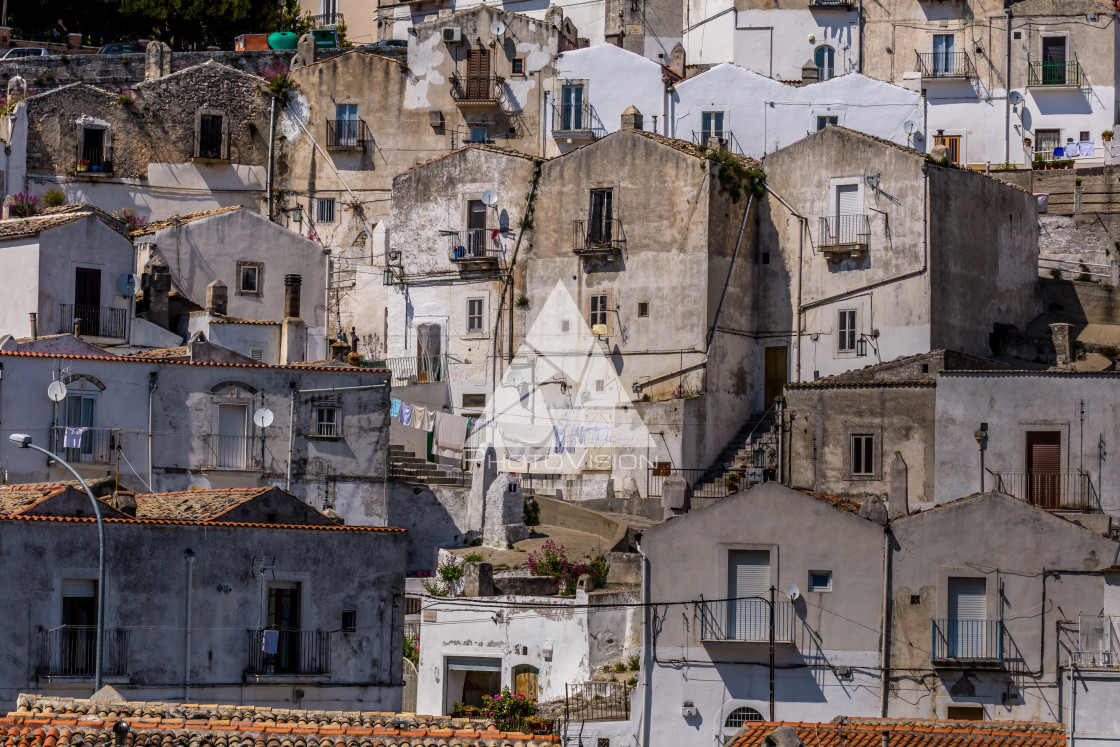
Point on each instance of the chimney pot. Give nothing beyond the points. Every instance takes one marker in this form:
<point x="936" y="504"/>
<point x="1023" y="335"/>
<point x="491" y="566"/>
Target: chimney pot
<point x="34" y="326"/>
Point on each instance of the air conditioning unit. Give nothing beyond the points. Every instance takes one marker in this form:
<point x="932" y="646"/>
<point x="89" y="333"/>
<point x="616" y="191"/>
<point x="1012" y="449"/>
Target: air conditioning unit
<point x="452" y="35"/>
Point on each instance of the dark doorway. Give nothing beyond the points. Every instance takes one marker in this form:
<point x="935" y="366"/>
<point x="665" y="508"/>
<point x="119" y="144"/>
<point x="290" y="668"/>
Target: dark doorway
<point x="776" y="365"/>
<point x="87" y="300"/>
<point x="1044" y="468"/>
<point x="283" y="615"/>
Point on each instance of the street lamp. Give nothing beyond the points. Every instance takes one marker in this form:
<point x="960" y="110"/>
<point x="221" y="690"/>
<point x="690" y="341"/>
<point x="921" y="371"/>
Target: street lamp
<point x="24" y="442"/>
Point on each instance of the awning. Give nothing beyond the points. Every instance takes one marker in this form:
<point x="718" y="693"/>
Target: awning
<point x="473" y="664"/>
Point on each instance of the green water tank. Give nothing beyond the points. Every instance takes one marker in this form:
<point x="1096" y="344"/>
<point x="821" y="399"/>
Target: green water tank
<point x="325" y="38"/>
<point x="283" y="40"/>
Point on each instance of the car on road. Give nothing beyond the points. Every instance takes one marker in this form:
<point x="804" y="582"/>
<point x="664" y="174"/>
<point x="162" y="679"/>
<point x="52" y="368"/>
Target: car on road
<point x="121" y="48"/>
<point x="19" y="52"/>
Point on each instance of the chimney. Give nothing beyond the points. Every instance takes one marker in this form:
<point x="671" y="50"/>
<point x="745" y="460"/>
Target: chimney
<point x="34" y="326"/>
<point x="217" y="298"/>
<point x="291" y="296"/>
<point x="125" y="503"/>
<point x="293" y="339"/>
<point x="899" y="503"/>
<point x="77" y="327"/>
<point x="159" y="286"/>
<point x="810" y="73"/>
<point x="632" y="119"/>
<point x="677" y="59"/>
<point x="1059" y="332"/>
<point x="340" y="348"/>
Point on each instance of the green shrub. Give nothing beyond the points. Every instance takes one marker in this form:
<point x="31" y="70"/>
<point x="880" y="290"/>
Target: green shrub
<point x="1055" y="273"/>
<point x="532" y="512"/>
<point x="473" y="557"/>
<point x="54" y="197"/>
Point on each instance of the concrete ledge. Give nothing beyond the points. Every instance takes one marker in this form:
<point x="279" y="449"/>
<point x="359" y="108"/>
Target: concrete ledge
<point x="560" y="514"/>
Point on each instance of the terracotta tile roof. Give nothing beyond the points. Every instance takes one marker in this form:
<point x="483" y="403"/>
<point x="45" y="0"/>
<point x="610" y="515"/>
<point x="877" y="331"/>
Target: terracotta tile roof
<point x="347" y="53"/>
<point x="182" y="351"/>
<point x="836" y="501"/>
<point x="15" y="228"/>
<point x="172" y="362"/>
<point x="682" y="146"/>
<point x="194" y="505"/>
<point x="40" y="721"/>
<point x="831" y="384"/>
<point x="475" y="146"/>
<point x="94" y="483"/>
<point x="869" y="732"/>
<point x="211" y="523"/>
<point x="15" y="501"/>
<point x="178" y="220"/>
<point x="216" y="318"/>
<point x="193" y="69"/>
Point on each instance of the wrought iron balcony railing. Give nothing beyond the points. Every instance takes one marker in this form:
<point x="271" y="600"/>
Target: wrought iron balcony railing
<point x="289" y="652"/>
<point x="477" y="90"/>
<point x="348" y="134"/>
<point x="85" y="445"/>
<point x="573" y="118"/>
<point x="831" y="5"/>
<point x="1098" y="645"/>
<point x="1043" y="74"/>
<point x="92" y="321"/>
<point x="407" y="370"/>
<point x="746" y="620"/>
<point x="945" y="65"/>
<point x="94" y="159"/>
<point x="232" y="452"/>
<point x="1069" y="490"/>
<point x="327" y="20"/>
<point x="599" y="236"/>
<point x="474" y="245"/>
<point x="968" y="640"/>
<point x="845" y="230"/>
<point x="69" y="651"/>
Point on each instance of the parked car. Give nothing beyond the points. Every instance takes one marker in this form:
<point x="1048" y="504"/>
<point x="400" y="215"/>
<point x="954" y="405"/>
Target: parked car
<point x="390" y="43"/>
<point x="18" y="52"/>
<point x="121" y="48"/>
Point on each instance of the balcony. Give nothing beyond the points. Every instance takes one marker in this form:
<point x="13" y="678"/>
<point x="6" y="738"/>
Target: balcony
<point x="231" y="452"/>
<point x="347" y="134"/>
<point x="1055" y="75"/>
<point x="69" y="651"/>
<point x="94" y="160"/>
<point x="474" y="248"/>
<point x="1053" y="491"/>
<point x="844" y="236"/>
<point x="726" y="140"/>
<point x="746" y="621"/>
<point x="573" y="120"/>
<point x="327" y="20"/>
<point x="410" y="370"/>
<point x="1098" y="646"/>
<point x="831" y="5"/>
<point x="939" y="65"/>
<point x="972" y="641"/>
<point x="601" y="239"/>
<point x="477" y="91"/>
<point x="289" y="652"/>
<point x="92" y="321"/>
<point x="89" y="446"/>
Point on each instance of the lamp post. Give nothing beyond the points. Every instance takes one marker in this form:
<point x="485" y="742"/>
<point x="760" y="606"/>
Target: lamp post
<point x="24" y="442"/>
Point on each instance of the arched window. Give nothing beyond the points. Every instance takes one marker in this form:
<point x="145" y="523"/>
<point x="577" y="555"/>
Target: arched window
<point x="825" y="58"/>
<point x="525" y="680"/>
<point x="740" y="716"/>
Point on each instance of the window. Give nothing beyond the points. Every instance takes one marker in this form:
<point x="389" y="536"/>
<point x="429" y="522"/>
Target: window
<point x="326" y="422"/>
<point x="1046" y="141"/>
<point x="79" y="444"/>
<point x="643" y="308"/>
<point x="943" y="57"/>
<point x="953" y="143"/>
<point x="525" y="681"/>
<point x="249" y="278"/>
<point x="479" y="134"/>
<point x="741" y="716"/>
<point x="1054" y="57"/>
<point x="346" y="125"/>
<point x="825" y="121"/>
<point x="475" y="401"/>
<point x="600" y="223"/>
<point x="863" y="454"/>
<point x="349" y="621"/>
<point x="846" y="331"/>
<point x="571" y="108"/>
<point x="598" y="313"/>
<point x="711" y="125"/>
<point x="256" y="352"/>
<point x="820" y="580"/>
<point x="965" y="713"/>
<point x="210" y="136"/>
<point x="825" y="59"/>
<point x="1085" y="136"/>
<point x="474" y="316"/>
<point x="324" y="210"/>
<point x="748" y="584"/>
<point x="94" y="151"/>
<point x="412" y="605"/>
<point x="517" y="66"/>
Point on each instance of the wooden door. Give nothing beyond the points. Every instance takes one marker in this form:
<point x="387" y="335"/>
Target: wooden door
<point x="525" y="681"/>
<point x="1044" y="468"/>
<point x="478" y="73"/>
<point x="776" y="365"/>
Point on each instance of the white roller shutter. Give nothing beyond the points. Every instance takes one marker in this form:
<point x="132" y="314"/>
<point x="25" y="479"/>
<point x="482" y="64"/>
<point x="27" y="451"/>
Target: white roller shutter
<point x="748" y="575"/>
<point x="847" y="200"/>
<point x="79" y="588"/>
<point x="968" y="599"/>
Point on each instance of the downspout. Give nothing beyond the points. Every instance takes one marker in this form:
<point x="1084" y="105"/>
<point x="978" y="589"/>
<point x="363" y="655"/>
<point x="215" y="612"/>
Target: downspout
<point x="291" y="435"/>
<point x="271" y="140"/>
<point x="153" y="378"/>
<point x="859" y="52"/>
<point x="885" y="635"/>
<point x="1007" y="93"/>
<point x="189" y="555"/>
<point x="647" y="649"/>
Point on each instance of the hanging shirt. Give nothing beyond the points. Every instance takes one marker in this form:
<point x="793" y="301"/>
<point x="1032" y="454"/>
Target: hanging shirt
<point x="1087" y="148"/>
<point x="418" y="413"/>
<point x="406" y="414"/>
<point x="269" y="641"/>
<point x="395" y="408"/>
<point x="73" y="438"/>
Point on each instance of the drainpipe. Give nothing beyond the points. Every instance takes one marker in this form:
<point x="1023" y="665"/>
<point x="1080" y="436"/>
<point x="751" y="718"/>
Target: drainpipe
<point x="859" y="52"/>
<point x="647" y="648"/>
<point x="271" y="140"/>
<point x="885" y="635"/>
<point x="153" y="377"/>
<point x="291" y="435"/>
<point x="188" y="555"/>
<point x="1007" y="93"/>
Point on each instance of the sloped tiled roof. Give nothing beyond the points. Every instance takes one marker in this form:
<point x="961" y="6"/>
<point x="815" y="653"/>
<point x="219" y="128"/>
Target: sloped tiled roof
<point x="194" y="505"/>
<point x="474" y="146"/>
<point x="95" y="483"/>
<point x="869" y="732"/>
<point x="836" y="501"/>
<point x="39" y="721"/>
<point x="182" y="351"/>
<point x="14" y="501"/>
<point x="15" y="228"/>
<point x="178" y="220"/>
<point x="173" y="362"/>
<point x="206" y="523"/>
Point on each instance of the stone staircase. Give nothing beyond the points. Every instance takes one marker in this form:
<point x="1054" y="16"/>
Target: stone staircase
<point x="739" y="453"/>
<point x="404" y="466"/>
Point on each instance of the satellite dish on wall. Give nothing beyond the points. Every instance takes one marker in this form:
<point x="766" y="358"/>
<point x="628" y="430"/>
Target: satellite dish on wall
<point x="490" y="198"/>
<point x="56" y="391"/>
<point x="497" y="28"/>
<point x="1015" y="98"/>
<point x="199" y="483"/>
<point x="127" y="283"/>
<point x="262" y="418"/>
<point x="909" y="126"/>
<point x="792" y="592"/>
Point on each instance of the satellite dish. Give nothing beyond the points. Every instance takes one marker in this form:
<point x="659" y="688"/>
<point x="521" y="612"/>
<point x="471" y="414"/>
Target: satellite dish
<point x="56" y="391"/>
<point x="515" y="378"/>
<point x="909" y="126"/>
<point x="490" y="198"/>
<point x="126" y="284"/>
<point x="792" y="592"/>
<point x="497" y="28"/>
<point x="262" y="418"/>
<point x="199" y="483"/>
<point x="1015" y="98"/>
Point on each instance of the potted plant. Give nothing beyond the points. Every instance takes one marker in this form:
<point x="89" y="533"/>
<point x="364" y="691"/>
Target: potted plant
<point x="1027" y="141"/>
<point x="1107" y="135"/>
<point x="732" y="482"/>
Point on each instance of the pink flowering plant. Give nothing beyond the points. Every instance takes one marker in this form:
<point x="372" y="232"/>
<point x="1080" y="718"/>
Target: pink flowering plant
<point x="24" y="206"/>
<point x="548" y="560"/>
<point x="507" y="709"/>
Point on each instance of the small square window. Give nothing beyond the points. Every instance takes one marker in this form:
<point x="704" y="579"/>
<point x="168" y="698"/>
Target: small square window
<point x="479" y="134"/>
<point x="823" y="122"/>
<point x="327" y="422"/>
<point x="965" y="713"/>
<point x="1085" y="136"/>
<point x="863" y="454"/>
<point x="256" y="352"/>
<point x="324" y="210"/>
<point x="349" y="621"/>
<point x="517" y="66"/>
<point x="249" y="278"/>
<point x="766" y="258"/>
<point x="1017" y="35"/>
<point x="820" y="580"/>
<point x="643" y="308"/>
<point x="598" y="385"/>
<point x="475" y="401"/>
<point x="565" y="325"/>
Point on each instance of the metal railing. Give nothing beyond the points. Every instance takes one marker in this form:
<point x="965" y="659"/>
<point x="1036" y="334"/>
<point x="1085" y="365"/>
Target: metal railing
<point x="232" y="452"/>
<point x="597" y="701"/>
<point x="968" y="640"/>
<point x="413" y="369"/>
<point x="573" y="118"/>
<point x="93" y="321"/>
<point x="69" y="651"/>
<point x="327" y="20"/>
<point x="831" y="4"/>
<point x="1055" y="74"/>
<point x="348" y="133"/>
<point x="476" y="89"/>
<point x="655" y="480"/>
<point x="945" y="65"/>
<point x="726" y="138"/>
<point x="473" y="244"/>
<point x="746" y="620"/>
<point x="599" y="236"/>
<point x="845" y="230"/>
<point x="1069" y="490"/>
<point x="1075" y="269"/>
<point x="289" y="652"/>
<point x="1097" y="642"/>
<point x="94" y="159"/>
<point x="94" y="445"/>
